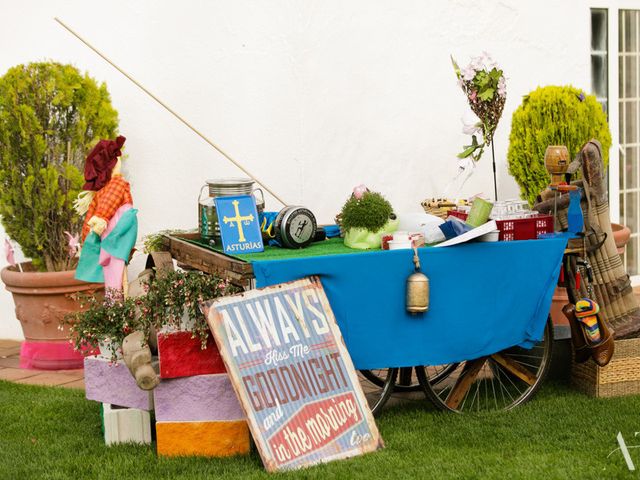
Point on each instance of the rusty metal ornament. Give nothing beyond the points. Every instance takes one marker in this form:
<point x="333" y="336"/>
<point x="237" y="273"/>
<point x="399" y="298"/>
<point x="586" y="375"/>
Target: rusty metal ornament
<point x="417" y="288"/>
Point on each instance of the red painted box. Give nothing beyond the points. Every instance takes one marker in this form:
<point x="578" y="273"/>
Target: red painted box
<point x="181" y="356"/>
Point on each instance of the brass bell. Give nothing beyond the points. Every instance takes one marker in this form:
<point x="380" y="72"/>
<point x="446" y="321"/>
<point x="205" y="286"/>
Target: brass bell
<point x="417" y="289"/>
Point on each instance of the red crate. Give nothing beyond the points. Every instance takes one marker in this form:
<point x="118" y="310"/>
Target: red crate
<point x="520" y="228"/>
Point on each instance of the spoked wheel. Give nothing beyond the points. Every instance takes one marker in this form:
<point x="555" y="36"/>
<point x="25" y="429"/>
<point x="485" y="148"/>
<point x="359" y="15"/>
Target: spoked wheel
<point x="406" y="381"/>
<point x="377" y="386"/>
<point x="500" y="381"/>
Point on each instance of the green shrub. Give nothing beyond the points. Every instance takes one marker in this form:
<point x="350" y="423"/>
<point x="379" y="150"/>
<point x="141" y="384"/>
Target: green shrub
<point x="371" y="212"/>
<point x="105" y="320"/>
<point x="552" y="116"/>
<point x="50" y="117"/>
<point x="168" y="298"/>
<point x="172" y="294"/>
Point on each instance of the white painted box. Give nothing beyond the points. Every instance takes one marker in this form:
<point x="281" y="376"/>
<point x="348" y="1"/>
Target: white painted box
<point x="123" y="425"/>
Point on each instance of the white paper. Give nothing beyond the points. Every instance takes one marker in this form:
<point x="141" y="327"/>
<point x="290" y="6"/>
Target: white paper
<point x="470" y="235"/>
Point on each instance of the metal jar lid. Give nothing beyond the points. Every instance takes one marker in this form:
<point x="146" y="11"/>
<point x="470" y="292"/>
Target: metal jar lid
<point x="230" y="186"/>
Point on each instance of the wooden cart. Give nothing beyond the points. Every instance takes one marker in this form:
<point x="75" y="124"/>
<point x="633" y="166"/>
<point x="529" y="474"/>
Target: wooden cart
<point x="513" y="375"/>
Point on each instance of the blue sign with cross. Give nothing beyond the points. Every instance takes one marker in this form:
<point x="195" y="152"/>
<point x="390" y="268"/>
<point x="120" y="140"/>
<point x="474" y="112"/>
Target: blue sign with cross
<point x="239" y="225"/>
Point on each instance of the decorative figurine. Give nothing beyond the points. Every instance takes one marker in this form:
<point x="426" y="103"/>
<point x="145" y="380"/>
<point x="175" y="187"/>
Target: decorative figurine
<point x="110" y="227"/>
<point x="365" y="217"/>
<point x="137" y="357"/>
<point x="556" y="160"/>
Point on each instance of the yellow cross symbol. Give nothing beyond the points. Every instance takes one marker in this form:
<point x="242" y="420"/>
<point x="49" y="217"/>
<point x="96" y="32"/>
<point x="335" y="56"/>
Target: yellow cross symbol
<point x="238" y="220"/>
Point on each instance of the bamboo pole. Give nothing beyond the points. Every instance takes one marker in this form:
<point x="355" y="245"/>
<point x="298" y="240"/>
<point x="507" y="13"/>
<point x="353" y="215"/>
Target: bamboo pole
<point x="171" y="111"/>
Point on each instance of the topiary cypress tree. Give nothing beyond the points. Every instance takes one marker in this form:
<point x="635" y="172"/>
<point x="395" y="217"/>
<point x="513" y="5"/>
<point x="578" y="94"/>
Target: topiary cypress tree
<point x="552" y="115"/>
<point x="50" y="116"/>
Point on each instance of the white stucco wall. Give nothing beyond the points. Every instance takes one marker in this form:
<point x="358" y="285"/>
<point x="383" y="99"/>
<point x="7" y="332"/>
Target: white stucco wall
<point x="314" y="97"/>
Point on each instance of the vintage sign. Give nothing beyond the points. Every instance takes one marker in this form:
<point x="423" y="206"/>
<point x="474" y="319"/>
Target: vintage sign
<point x="239" y="225"/>
<point x="293" y="375"/>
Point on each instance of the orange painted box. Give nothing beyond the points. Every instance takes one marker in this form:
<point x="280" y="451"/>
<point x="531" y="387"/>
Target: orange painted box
<point x="205" y="439"/>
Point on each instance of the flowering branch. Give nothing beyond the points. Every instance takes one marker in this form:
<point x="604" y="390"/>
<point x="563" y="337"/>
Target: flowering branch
<point x="485" y="87"/>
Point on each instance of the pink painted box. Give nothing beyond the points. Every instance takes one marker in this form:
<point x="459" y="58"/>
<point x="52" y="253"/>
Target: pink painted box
<point x="112" y="383"/>
<point x="198" y="398"/>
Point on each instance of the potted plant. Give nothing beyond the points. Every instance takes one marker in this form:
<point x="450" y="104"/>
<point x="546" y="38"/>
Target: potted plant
<point x="172" y="301"/>
<point x="50" y="117"/>
<point x="102" y="323"/>
<point x="555" y="115"/>
<point x="365" y="216"/>
<point x="552" y="115"/>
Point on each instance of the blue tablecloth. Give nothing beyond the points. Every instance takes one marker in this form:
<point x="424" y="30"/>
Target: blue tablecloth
<point x="485" y="297"/>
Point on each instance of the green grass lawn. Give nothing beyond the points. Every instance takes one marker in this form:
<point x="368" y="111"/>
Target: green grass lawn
<point x="53" y="433"/>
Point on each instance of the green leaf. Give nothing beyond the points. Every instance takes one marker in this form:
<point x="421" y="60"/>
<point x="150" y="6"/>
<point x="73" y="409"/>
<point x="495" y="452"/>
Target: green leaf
<point x="486" y="94"/>
<point x="467" y="151"/>
<point x="456" y="68"/>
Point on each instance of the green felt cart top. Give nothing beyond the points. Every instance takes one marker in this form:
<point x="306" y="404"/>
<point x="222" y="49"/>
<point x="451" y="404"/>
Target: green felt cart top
<point x="333" y="246"/>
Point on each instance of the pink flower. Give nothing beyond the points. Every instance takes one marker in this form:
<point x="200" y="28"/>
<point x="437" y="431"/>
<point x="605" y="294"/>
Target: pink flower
<point x="74" y="243"/>
<point x="359" y="191"/>
<point x="473" y="96"/>
<point x="9" y="252"/>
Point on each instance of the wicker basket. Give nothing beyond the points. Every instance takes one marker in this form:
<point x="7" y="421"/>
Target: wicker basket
<point x="621" y="377"/>
<point x="438" y="207"/>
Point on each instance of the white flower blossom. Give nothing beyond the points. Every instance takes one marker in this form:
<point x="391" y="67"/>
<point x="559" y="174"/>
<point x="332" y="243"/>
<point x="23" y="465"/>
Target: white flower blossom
<point x="488" y="61"/>
<point x="468" y="73"/>
<point x="502" y="87"/>
<point x="476" y="63"/>
<point x="471" y="124"/>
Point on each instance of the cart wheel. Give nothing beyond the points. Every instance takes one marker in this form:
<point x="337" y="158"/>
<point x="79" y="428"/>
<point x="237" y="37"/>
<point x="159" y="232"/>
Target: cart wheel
<point x="500" y="381"/>
<point x="407" y="380"/>
<point x="377" y="385"/>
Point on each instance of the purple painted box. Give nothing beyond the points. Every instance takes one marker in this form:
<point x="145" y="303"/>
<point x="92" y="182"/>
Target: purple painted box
<point x="197" y="399"/>
<point x="107" y="382"/>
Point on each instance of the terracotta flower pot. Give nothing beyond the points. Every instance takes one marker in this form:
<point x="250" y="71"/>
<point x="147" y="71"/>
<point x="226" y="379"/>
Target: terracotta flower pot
<point x="560" y="299"/>
<point x="621" y="235"/>
<point x="42" y="300"/>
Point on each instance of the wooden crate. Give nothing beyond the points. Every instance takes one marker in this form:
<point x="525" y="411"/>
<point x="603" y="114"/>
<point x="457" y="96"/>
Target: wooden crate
<point x="621" y="377"/>
<point x="189" y="255"/>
